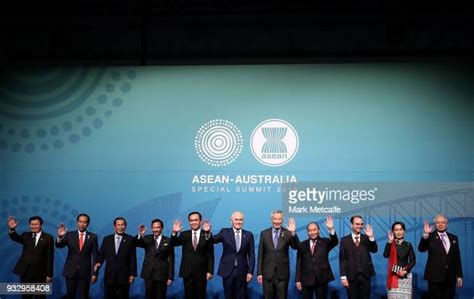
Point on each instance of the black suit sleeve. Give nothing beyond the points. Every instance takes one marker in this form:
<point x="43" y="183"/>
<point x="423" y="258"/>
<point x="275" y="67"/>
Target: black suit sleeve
<point x="260" y="255"/>
<point x="140" y="241"/>
<point x="133" y="260"/>
<point x="386" y="250"/>
<point x="217" y="238"/>
<point x="171" y="264"/>
<point x="15" y="237"/>
<point x="251" y="256"/>
<point x="333" y="241"/>
<point x="62" y="243"/>
<point x="411" y="257"/>
<point x="342" y="258"/>
<point x="210" y="258"/>
<point x="95" y="253"/>
<point x="299" y="260"/>
<point x="50" y="257"/>
<point x="457" y="259"/>
<point x="424" y="244"/>
<point x="373" y="246"/>
<point x="294" y="241"/>
<point x="176" y="240"/>
<point x="101" y="253"/>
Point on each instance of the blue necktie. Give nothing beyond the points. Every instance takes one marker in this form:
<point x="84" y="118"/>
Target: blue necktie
<point x="275" y="239"/>
<point x="237" y="240"/>
<point x="117" y="243"/>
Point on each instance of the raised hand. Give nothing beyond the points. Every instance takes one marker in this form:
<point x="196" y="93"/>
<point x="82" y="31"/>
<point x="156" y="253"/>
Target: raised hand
<point x="12" y="222"/>
<point x="427" y="228"/>
<point x="291" y="224"/>
<point x="369" y="231"/>
<point x="329" y="223"/>
<point x="206" y="225"/>
<point x="177" y="226"/>
<point x="390" y="236"/>
<point x="61" y="230"/>
<point x="142" y="230"/>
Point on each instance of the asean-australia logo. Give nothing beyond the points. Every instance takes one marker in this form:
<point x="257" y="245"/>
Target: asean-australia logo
<point x="218" y="142"/>
<point x="274" y="142"/>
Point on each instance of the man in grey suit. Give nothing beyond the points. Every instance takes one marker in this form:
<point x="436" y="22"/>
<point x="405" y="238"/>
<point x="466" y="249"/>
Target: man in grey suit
<point x="273" y="256"/>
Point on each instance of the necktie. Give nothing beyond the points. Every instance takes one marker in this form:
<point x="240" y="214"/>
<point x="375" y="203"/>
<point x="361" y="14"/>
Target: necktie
<point x="195" y="241"/>
<point x="81" y="241"/>
<point x="34" y="239"/>
<point x="357" y="242"/>
<point x="117" y="243"/>
<point x="445" y="242"/>
<point x="313" y="246"/>
<point x="156" y="242"/>
<point x="275" y="239"/>
<point x="237" y="240"/>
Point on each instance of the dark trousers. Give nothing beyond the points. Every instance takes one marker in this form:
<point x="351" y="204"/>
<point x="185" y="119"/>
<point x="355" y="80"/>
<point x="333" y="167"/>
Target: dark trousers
<point x="78" y="284"/>
<point x="155" y="289"/>
<point x="275" y="288"/>
<point x="441" y="290"/>
<point x="235" y="286"/>
<point x="321" y="291"/>
<point x="195" y="288"/>
<point x="359" y="287"/>
<point x="29" y="278"/>
<point x="116" y="291"/>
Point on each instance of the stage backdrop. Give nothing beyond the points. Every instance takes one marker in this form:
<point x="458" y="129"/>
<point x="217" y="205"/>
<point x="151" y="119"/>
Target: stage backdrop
<point x="388" y="141"/>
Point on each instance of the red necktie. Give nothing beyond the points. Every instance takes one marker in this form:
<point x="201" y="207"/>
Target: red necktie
<point x="81" y="241"/>
<point x="313" y="248"/>
<point x="357" y="241"/>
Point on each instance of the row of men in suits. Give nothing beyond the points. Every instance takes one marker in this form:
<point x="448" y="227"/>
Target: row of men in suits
<point x="236" y="267"/>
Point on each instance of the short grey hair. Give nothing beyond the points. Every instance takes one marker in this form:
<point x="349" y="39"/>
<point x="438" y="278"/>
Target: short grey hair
<point x="276" y="212"/>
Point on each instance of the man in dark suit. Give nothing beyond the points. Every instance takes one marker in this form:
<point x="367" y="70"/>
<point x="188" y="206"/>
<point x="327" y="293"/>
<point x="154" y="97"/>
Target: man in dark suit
<point x="118" y="252"/>
<point x="158" y="265"/>
<point x="238" y="257"/>
<point x="313" y="271"/>
<point x="36" y="261"/>
<point x="355" y="262"/>
<point x="82" y="253"/>
<point x="443" y="269"/>
<point x="273" y="256"/>
<point x="197" y="257"/>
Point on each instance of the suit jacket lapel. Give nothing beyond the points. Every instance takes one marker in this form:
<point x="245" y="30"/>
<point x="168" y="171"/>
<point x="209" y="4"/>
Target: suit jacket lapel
<point x="86" y="237"/>
<point x="440" y="242"/>
<point x="122" y="243"/>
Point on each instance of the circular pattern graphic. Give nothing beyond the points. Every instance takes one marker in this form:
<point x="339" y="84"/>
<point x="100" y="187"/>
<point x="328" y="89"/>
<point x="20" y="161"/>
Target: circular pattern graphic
<point x="47" y="109"/>
<point x="218" y="142"/>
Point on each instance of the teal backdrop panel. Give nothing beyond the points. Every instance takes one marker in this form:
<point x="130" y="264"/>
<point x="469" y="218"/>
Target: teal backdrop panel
<point x="159" y="142"/>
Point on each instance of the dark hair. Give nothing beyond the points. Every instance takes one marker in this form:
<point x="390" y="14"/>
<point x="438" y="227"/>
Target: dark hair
<point x="159" y="221"/>
<point x="197" y="213"/>
<point x="83" y="215"/>
<point x="312" y="222"/>
<point x="120" y="218"/>
<point x="398" y="222"/>
<point x="36" y="217"/>
<point x="356" y="216"/>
